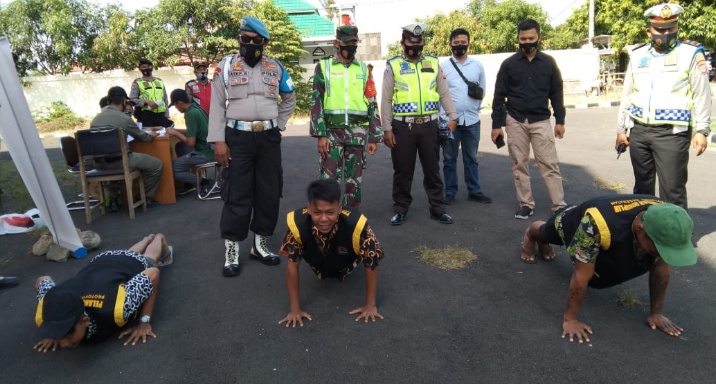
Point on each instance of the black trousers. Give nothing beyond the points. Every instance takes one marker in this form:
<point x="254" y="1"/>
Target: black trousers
<point x="421" y="140"/>
<point x="252" y="185"/>
<point x="151" y="119"/>
<point x="657" y="151"/>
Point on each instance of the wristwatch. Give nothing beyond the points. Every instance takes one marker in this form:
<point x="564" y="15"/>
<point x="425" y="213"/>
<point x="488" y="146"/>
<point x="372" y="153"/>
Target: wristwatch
<point x="145" y="319"/>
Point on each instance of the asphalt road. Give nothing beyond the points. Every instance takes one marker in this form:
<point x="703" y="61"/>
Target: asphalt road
<point x="498" y="320"/>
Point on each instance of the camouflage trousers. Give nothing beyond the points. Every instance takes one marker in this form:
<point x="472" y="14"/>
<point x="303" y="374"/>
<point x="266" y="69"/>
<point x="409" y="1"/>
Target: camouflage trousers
<point x="344" y="164"/>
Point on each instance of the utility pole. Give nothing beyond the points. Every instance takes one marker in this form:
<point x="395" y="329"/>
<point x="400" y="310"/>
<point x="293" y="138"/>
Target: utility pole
<point x="591" y="23"/>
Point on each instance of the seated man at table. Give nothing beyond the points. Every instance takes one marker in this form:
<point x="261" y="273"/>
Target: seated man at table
<point x="197" y="128"/>
<point x="113" y="115"/>
<point x="333" y="240"/>
<point x="115" y="292"/>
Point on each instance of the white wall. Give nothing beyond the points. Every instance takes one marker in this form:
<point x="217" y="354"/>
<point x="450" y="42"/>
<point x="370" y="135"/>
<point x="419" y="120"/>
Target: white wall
<point x="81" y="92"/>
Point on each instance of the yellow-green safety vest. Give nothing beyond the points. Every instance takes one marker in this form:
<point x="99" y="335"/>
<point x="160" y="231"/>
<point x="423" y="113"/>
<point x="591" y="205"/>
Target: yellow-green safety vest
<point x="416" y="86"/>
<point x="345" y="90"/>
<point x="662" y="90"/>
<point x="154" y="91"/>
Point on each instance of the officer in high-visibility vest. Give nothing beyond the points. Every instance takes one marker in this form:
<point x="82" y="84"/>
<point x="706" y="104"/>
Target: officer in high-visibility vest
<point x="150" y="98"/>
<point x="413" y="89"/>
<point x="344" y="116"/>
<point x="666" y="102"/>
<point x="199" y="89"/>
<point x="245" y="124"/>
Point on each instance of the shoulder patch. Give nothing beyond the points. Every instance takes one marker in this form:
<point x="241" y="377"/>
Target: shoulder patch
<point x="692" y="42"/>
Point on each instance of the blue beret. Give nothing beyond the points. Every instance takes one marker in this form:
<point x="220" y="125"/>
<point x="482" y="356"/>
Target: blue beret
<point x="253" y="24"/>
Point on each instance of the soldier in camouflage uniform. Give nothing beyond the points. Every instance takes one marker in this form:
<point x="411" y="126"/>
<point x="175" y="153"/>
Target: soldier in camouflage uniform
<point x="344" y="115"/>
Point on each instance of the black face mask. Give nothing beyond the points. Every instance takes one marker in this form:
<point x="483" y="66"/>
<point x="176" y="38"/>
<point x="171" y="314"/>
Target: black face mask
<point x="147" y="72"/>
<point x="348" y="52"/>
<point x="459" y="50"/>
<point x="528" y="48"/>
<point x="664" y="41"/>
<point x="201" y="76"/>
<point x="413" y="51"/>
<point x="251" y="53"/>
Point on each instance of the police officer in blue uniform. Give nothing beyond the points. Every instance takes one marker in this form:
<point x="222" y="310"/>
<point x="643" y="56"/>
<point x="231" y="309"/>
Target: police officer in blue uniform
<point x="245" y="121"/>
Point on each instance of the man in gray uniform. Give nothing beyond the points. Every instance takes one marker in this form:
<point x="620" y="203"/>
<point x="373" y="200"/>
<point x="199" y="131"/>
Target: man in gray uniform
<point x="245" y="121"/>
<point x="113" y="115"/>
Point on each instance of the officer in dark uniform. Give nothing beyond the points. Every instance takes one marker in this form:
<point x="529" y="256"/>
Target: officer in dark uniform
<point x="245" y="121"/>
<point x="413" y="89"/>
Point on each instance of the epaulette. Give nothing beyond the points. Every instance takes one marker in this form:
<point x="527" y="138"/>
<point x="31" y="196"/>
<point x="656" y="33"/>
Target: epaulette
<point x="395" y="57"/>
<point x="434" y="57"/>
<point x="692" y="42"/>
<point x="639" y="46"/>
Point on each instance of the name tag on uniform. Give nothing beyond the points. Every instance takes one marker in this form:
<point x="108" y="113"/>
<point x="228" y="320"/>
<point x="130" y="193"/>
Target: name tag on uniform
<point x="238" y="80"/>
<point x="671" y="60"/>
<point x="644" y="62"/>
<point x="406" y="71"/>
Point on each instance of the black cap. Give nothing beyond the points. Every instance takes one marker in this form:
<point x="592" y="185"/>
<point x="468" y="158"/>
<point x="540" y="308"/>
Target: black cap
<point x="178" y="95"/>
<point x="57" y="313"/>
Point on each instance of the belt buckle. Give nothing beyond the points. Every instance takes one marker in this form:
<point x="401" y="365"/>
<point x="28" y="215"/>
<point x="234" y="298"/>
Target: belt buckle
<point x="257" y="126"/>
<point x="419" y="120"/>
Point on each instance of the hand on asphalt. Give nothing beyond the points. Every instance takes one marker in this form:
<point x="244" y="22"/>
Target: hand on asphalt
<point x="295" y="317"/>
<point x="576" y="328"/>
<point x="366" y="312"/>
<point x="661" y="322"/>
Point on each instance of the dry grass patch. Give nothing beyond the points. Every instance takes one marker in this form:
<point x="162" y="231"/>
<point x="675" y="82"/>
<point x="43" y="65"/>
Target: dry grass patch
<point x="628" y="299"/>
<point x="601" y="183"/>
<point x="448" y="258"/>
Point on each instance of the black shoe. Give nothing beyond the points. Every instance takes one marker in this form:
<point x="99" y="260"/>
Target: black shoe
<point x="398" y="219"/>
<point x="443" y="218"/>
<point x="151" y="203"/>
<point x="231" y="270"/>
<point x="271" y="259"/>
<point x="479" y="198"/>
<point x="205" y="187"/>
<point x="448" y="199"/>
<point x="523" y="213"/>
<point x="8" y="281"/>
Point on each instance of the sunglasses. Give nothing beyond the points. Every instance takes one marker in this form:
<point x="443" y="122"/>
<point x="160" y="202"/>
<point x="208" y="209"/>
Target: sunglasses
<point x="248" y="39"/>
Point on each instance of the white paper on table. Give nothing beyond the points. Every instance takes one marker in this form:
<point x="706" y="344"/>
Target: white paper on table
<point x="162" y="131"/>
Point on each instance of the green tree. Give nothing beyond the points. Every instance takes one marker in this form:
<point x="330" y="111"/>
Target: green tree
<point x="499" y="20"/>
<point x="625" y="21"/>
<point x="50" y="36"/>
<point x="437" y="38"/>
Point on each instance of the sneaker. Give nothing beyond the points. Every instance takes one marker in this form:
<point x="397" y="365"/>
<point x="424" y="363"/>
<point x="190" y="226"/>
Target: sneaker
<point x="523" y="213"/>
<point x="479" y="198"/>
<point x="206" y="185"/>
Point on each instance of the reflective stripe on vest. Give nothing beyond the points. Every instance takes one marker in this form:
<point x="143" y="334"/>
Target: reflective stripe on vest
<point x="662" y="90"/>
<point x="415" y="91"/>
<point x="345" y="89"/>
<point x="154" y="91"/>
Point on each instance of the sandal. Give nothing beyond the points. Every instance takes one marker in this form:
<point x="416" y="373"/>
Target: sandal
<point x="166" y="259"/>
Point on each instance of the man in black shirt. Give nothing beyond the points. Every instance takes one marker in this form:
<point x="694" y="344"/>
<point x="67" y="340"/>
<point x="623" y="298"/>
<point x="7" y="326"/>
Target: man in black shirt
<point x="525" y="83"/>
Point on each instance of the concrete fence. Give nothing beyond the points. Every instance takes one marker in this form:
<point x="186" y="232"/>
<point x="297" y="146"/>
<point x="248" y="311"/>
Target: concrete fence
<point x="81" y="92"/>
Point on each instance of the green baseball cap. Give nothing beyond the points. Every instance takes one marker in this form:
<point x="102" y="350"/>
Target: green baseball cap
<point x="670" y="228"/>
